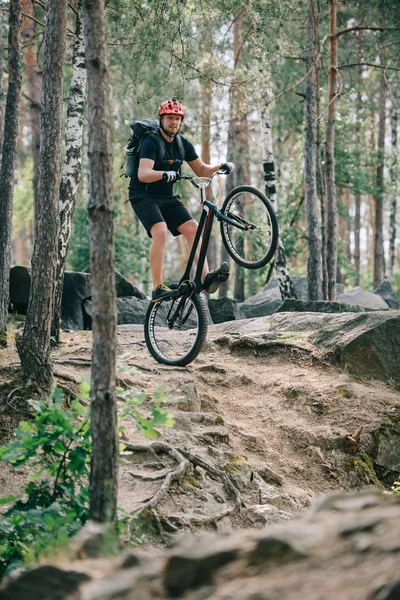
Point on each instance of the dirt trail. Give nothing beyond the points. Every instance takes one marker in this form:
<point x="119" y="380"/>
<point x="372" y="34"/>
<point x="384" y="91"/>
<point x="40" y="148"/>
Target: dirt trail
<point x="285" y="417"/>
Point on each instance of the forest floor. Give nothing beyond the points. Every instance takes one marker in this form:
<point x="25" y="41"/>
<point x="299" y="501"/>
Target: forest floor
<point x="283" y="421"/>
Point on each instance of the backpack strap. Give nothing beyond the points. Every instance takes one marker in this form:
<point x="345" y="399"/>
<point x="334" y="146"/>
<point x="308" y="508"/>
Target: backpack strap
<point x="181" y="147"/>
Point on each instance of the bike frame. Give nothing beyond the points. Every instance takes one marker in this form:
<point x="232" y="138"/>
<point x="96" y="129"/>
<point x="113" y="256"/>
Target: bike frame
<point x="210" y="211"/>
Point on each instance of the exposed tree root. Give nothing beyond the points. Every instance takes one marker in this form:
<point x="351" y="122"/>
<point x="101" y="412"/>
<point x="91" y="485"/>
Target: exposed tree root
<point x="184" y="459"/>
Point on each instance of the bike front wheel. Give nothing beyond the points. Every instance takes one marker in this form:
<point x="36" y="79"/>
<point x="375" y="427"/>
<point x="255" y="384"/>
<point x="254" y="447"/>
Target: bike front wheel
<point x="254" y="246"/>
<point x="175" y="329"/>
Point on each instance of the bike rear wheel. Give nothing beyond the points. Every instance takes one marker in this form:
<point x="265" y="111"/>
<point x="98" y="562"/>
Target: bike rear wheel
<point x="254" y="247"/>
<point x="175" y="329"/>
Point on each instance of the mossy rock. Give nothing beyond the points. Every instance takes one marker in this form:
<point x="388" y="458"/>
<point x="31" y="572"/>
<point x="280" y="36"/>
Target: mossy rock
<point x="362" y="465"/>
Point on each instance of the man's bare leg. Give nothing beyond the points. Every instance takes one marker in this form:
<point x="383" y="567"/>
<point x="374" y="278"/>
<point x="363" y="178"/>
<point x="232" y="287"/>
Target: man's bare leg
<point x="159" y="233"/>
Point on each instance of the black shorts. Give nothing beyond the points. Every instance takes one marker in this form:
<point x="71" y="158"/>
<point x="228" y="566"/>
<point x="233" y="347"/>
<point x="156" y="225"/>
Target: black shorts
<point x="150" y="211"/>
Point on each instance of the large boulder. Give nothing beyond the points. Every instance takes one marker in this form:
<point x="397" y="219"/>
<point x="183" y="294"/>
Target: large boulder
<point x="130" y="310"/>
<point x="317" y="306"/>
<point x="344" y="546"/>
<point x="75" y="291"/>
<point x="367" y="300"/>
<point x="224" y="309"/>
<point x="385" y="291"/>
<point x="20" y="283"/>
<point x="259" y="309"/>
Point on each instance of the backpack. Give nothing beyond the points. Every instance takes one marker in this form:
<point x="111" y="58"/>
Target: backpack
<point x="140" y="130"/>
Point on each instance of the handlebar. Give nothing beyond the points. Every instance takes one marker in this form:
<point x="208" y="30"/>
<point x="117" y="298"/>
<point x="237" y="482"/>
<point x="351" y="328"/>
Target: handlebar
<point x="206" y="181"/>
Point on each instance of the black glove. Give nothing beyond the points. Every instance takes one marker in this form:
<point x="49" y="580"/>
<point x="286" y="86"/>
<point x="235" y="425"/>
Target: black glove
<point x="170" y="176"/>
<point x="227" y="168"/>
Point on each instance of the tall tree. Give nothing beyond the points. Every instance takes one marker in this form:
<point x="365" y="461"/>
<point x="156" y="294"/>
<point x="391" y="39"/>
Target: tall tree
<point x="330" y="179"/>
<point x="394" y="192"/>
<point x="71" y="174"/>
<point x="379" y="191"/>
<point x="103" y="473"/>
<point x="8" y="157"/>
<point x="238" y="145"/>
<point x="1" y="83"/>
<point x="34" y="87"/>
<point x="34" y="345"/>
<point x="310" y="166"/>
<point x="286" y="286"/>
<point x="357" y="197"/>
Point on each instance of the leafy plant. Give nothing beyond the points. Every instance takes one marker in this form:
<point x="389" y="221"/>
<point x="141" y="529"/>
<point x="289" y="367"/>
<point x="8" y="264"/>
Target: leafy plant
<point x="56" y="446"/>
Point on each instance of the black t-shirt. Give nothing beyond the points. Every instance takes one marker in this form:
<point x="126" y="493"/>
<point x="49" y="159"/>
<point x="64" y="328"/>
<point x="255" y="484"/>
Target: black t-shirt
<point x="150" y="149"/>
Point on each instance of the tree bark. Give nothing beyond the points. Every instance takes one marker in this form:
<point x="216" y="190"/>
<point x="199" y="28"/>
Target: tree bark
<point x="1" y="86"/>
<point x="394" y="192"/>
<point x="34" y="345"/>
<point x="103" y="473"/>
<point x="310" y="166"/>
<point x="8" y="158"/>
<point x="33" y="74"/>
<point x="73" y="166"/>
<point x="378" y="239"/>
<point x="238" y="146"/>
<point x="206" y="99"/>
<point x="330" y="154"/>
<point x="357" y="197"/>
<point x="286" y="286"/>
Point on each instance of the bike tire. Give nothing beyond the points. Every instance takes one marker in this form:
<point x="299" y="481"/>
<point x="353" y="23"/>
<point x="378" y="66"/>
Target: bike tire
<point x="180" y="344"/>
<point x="254" y="248"/>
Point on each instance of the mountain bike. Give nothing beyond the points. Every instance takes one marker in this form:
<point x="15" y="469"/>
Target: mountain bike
<point x="176" y="327"/>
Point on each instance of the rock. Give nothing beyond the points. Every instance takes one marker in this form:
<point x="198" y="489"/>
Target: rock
<point x="44" y="583"/>
<point x="388" y="591"/>
<point x="224" y="309"/>
<point x="266" y="514"/>
<point x="238" y="470"/>
<point x="320" y="306"/>
<point x="131" y="310"/>
<point x="269" y="474"/>
<point x="279" y="547"/>
<point x="367" y="343"/>
<point x="388" y="447"/>
<point x="189" y="398"/>
<point x="385" y="291"/>
<point x="93" y="540"/>
<point x="189" y="567"/>
<point x="367" y="300"/>
<point x="124" y="288"/>
<point x="76" y="298"/>
<point x="76" y="289"/>
<point x="259" y="309"/>
<point x="20" y="283"/>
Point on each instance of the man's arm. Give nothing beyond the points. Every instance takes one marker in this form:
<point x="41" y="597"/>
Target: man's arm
<point x="146" y="172"/>
<point x="201" y="169"/>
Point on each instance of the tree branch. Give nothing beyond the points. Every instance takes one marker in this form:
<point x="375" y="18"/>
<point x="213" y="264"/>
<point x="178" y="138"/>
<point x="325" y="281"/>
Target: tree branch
<point x="366" y="28"/>
<point x="363" y="64"/>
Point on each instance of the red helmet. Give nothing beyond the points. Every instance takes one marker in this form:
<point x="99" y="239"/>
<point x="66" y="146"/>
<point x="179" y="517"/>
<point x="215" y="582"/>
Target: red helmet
<point x="171" y="107"/>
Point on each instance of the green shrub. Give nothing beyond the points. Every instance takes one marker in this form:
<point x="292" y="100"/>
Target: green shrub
<point x="56" y="446"/>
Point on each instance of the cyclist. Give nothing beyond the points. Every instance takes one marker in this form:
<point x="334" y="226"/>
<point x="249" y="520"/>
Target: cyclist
<point x="154" y="202"/>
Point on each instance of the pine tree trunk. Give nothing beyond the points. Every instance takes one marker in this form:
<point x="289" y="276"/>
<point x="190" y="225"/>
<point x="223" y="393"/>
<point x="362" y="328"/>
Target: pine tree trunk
<point x="206" y="99"/>
<point x="357" y="197"/>
<point x="34" y="80"/>
<point x="330" y="154"/>
<point x="103" y="473"/>
<point x="1" y="86"/>
<point x="378" y="239"/>
<point x="34" y="345"/>
<point x="238" y="149"/>
<point x="286" y="286"/>
<point x="9" y="155"/>
<point x="73" y="166"/>
<point x="310" y="168"/>
<point x="393" y="202"/>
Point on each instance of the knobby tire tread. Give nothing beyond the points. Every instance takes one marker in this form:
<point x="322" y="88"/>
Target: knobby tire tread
<point x="200" y="307"/>
<point x="274" y="227"/>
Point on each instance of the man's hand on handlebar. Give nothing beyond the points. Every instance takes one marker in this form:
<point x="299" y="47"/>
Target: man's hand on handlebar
<point x="170" y="176"/>
<point x="227" y="168"/>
